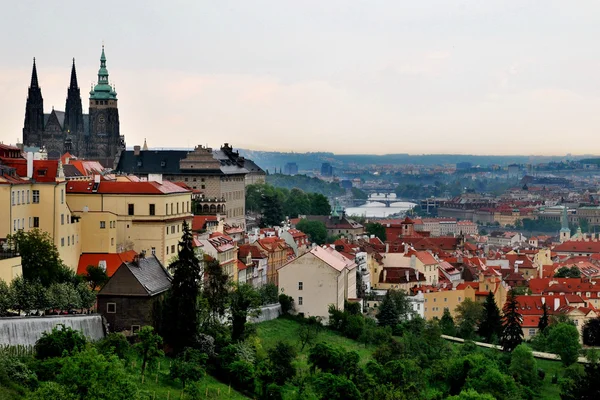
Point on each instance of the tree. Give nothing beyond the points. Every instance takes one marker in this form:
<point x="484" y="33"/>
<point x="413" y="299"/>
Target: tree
<point x="490" y="326"/>
<point x="468" y="315"/>
<point x="309" y="330"/>
<point x="334" y="387"/>
<point x="185" y="289"/>
<point x="591" y="332"/>
<point x="584" y="386"/>
<point x="27" y="295"/>
<point x="287" y="303"/>
<point x="319" y="205"/>
<point x="52" y="391"/>
<point x="523" y="366"/>
<point x="62" y="339"/>
<point x="215" y="288"/>
<point x="375" y="228"/>
<point x="543" y="323"/>
<point x="39" y="257"/>
<point x="387" y="314"/>
<point x="244" y="300"/>
<point x="6" y="301"/>
<point x="563" y="340"/>
<point x="296" y="203"/>
<point x="114" y="343"/>
<point x="315" y="230"/>
<point x="96" y="277"/>
<point x="271" y="210"/>
<point x="566" y="272"/>
<point x="148" y="346"/>
<point x="281" y="359"/>
<point x="512" y="334"/>
<point x="447" y="324"/>
<point x="471" y="394"/>
<point x="188" y="366"/>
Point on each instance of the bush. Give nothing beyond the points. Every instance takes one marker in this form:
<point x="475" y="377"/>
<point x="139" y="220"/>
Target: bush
<point x="61" y="339"/>
<point x="287" y="304"/>
<point x="114" y="343"/>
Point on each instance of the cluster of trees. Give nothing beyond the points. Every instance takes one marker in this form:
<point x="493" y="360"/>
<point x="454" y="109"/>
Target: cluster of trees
<point x="566" y="272"/>
<point x="538" y="225"/>
<point x="306" y="184"/>
<point x="274" y="204"/>
<point x="47" y="285"/>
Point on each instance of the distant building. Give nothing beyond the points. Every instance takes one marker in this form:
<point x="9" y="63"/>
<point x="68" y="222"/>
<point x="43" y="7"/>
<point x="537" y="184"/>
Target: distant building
<point x="326" y="169"/>
<point x="513" y="171"/>
<point x="346" y="184"/>
<point x="464" y="165"/>
<point x="290" y="168"/>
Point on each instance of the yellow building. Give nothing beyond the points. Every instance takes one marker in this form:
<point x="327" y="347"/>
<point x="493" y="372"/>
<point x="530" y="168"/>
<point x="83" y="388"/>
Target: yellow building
<point x="39" y="202"/>
<point x="10" y="266"/>
<point x="225" y="250"/>
<point x="129" y="214"/>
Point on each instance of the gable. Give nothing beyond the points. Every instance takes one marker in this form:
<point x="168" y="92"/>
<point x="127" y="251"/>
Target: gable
<point x="123" y="283"/>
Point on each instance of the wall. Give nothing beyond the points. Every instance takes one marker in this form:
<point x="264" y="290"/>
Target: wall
<point x="98" y="232"/>
<point x="27" y="330"/>
<point x="10" y="268"/>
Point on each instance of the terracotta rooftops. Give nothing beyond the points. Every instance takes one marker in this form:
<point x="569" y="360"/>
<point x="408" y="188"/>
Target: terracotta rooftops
<point x="110" y="187"/>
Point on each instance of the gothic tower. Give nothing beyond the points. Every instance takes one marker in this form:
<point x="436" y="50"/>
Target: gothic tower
<point x="34" y="112"/>
<point x="73" y="124"/>
<point x="104" y="138"/>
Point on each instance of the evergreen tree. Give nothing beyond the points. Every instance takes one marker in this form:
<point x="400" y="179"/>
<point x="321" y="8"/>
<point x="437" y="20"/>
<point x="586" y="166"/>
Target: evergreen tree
<point x="388" y="313"/>
<point x="184" y="294"/>
<point x="271" y="210"/>
<point x="543" y="324"/>
<point x="447" y="324"/>
<point x="244" y="301"/>
<point x="490" y="326"/>
<point x="512" y="334"/>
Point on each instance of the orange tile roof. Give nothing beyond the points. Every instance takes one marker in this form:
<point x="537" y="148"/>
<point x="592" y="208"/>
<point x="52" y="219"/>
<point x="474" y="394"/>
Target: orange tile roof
<point x="111" y="187"/>
<point x="199" y="221"/>
<point x="113" y="261"/>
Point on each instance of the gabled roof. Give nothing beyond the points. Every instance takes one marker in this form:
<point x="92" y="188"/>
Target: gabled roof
<point x="150" y="274"/>
<point x="111" y="187"/>
<point x="578" y="247"/>
<point x="199" y="221"/>
<point x="45" y="170"/>
<point x="329" y="256"/>
<point x="255" y="252"/>
<point x="112" y="261"/>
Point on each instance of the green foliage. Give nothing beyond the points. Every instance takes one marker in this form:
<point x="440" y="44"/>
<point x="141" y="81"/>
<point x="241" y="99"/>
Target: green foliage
<point x="296" y="203"/>
<point x="269" y="294"/>
<point x="244" y="301"/>
<point x="185" y="289"/>
<point x="512" y="334"/>
<point x="309" y="330"/>
<point x="52" y="391"/>
<point x="95" y="276"/>
<point x="334" y="387"/>
<point x="490" y="326"/>
<point x="62" y="339"/>
<point x="319" y="205"/>
<point x="287" y="304"/>
<point x="47" y="269"/>
<point x="447" y="324"/>
<point x="591" y="332"/>
<point x="583" y="386"/>
<point x="281" y="359"/>
<point x="305" y="183"/>
<point x="271" y="210"/>
<point x="114" y="343"/>
<point x="188" y="366"/>
<point x="388" y="314"/>
<point x="543" y="323"/>
<point x="6" y="301"/>
<point x="27" y="295"/>
<point x="375" y="228"/>
<point x="215" y="288"/>
<point x="148" y="346"/>
<point x="471" y="394"/>
<point x="523" y="366"/>
<point x="566" y="272"/>
<point x="468" y="315"/>
<point x="315" y="230"/>
<point x="563" y="340"/>
<point x="90" y="376"/>
<point x="540" y="225"/>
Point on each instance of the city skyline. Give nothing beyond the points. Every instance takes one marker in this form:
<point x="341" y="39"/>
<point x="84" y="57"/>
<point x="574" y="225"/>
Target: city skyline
<point x="381" y="77"/>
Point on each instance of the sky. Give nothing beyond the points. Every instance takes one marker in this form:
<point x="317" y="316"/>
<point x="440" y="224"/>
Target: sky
<point x="343" y="76"/>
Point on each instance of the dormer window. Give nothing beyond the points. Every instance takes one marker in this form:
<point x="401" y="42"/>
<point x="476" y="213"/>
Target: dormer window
<point x="139" y="163"/>
<point x="42" y="172"/>
<point x="163" y="163"/>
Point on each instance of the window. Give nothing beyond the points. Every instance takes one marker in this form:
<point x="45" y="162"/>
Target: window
<point x="532" y="331"/>
<point x="299" y="301"/>
<point x="62" y="196"/>
<point x="62" y="219"/>
<point x="112" y="241"/>
<point x="135" y="328"/>
<point x="62" y="242"/>
<point x="12" y="198"/>
<point x="130" y="209"/>
<point x="36" y="196"/>
<point x="166" y="210"/>
<point x="153" y="251"/>
<point x="27" y="196"/>
<point x="68" y="240"/>
<point x="167" y="249"/>
<point x="171" y="208"/>
<point x="445" y="299"/>
<point x="167" y="230"/>
<point x="30" y="222"/>
<point x="102" y="224"/>
<point x="111" y="308"/>
<point x="18" y="197"/>
<point x="36" y="222"/>
<point x="172" y="228"/>
<point x="152" y="210"/>
<point x="177" y="207"/>
<point x="172" y="248"/>
<point x="300" y="285"/>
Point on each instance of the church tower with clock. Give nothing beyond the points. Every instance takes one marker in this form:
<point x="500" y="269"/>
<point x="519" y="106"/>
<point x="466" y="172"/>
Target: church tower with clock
<point x="104" y="138"/>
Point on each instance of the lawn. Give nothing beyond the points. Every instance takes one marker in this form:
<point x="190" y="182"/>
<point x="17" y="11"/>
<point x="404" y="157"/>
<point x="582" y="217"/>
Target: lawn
<point x="270" y="332"/>
<point x="157" y="384"/>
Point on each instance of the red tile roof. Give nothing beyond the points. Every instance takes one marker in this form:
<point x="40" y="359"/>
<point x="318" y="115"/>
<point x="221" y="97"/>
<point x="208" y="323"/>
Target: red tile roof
<point x="199" y="221"/>
<point x="254" y="251"/>
<point x="113" y="261"/>
<point x="578" y="247"/>
<point x="45" y="170"/>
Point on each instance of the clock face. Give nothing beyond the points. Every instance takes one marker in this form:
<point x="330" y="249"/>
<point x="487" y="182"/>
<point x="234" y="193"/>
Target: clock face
<point x="101" y="119"/>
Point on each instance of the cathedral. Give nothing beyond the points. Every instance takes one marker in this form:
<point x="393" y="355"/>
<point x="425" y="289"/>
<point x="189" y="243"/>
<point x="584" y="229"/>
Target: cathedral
<point x="93" y="136"/>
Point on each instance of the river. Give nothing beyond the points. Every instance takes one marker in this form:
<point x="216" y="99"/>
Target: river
<point x="375" y="209"/>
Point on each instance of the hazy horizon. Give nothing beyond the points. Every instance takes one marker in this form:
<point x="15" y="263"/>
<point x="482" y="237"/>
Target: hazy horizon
<point x="348" y="77"/>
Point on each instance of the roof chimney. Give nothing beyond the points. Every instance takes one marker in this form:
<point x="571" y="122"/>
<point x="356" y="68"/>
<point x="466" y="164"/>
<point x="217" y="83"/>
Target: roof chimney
<point x="384" y="275"/>
<point x="556" y="303"/>
<point x="407" y="274"/>
<point x="29" y="165"/>
<point x="136" y="150"/>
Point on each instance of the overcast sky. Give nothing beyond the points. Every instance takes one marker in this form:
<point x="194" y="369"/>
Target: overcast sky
<point x="348" y="76"/>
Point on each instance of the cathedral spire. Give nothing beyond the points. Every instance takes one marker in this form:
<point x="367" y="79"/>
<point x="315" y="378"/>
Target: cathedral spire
<point x="103" y="90"/>
<point x="73" y="84"/>
<point x="34" y="78"/>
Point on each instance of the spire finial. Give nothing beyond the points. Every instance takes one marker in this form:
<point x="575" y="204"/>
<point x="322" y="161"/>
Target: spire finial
<point x="34" y="78"/>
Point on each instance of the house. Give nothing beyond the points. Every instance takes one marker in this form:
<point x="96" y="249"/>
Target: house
<point x="256" y="262"/>
<point x="278" y="253"/>
<point x="128" y="298"/>
<point x="317" y="279"/>
<point x="225" y="250"/>
<point x="296" y="239"/>
<point x="109" y="262"/>
<point x="337" y="225"/>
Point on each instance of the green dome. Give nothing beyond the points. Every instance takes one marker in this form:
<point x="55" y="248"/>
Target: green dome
<point x="103" y="90"/>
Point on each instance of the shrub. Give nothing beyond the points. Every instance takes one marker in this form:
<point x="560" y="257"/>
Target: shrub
<point x="61" y="339"/>
<point x="287" y="304"/>
<point x="114" y="343"/>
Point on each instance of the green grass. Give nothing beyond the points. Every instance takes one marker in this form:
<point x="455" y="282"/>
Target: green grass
<point x="281" y="329"/>
<point x="159" y="386"/>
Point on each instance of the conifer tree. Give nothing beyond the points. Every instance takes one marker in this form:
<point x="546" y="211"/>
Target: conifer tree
<point x="543" y="323"/>
<point x="388" y="312"/>
<point x="215" y="288"/>
<point x="185" y="289"/>
<point x="512" y="334"/>
<point x="490" y="326"/>
<point x="447" y="324"/>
